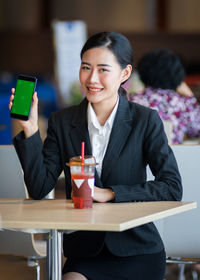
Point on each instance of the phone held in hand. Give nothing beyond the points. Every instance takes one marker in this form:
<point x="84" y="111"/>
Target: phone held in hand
<point x="24" y="90"/>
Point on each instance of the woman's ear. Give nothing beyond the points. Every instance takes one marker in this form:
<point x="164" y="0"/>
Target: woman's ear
<point x="126" y="72"/>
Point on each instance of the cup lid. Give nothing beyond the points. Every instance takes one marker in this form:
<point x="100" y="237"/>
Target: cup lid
<point x="88" y="161"/>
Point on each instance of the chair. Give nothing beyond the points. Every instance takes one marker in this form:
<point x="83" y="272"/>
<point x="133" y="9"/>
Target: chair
<point x="5" y="120"/>
<point x="12" y="186"/>
<point x="181" y="233"/>
<point x="168" y="127"/>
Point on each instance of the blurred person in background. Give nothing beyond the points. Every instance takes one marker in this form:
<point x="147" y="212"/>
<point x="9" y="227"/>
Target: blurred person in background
<point x="162" y="74"/>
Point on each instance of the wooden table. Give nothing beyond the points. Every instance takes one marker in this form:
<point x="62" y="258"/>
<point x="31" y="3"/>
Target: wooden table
<point x="59" y="215"/>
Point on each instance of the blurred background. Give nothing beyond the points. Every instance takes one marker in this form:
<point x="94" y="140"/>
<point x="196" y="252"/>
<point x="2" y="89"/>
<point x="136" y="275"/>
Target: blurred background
<point x="28" y="43"/>
<point x="26" y="33"/>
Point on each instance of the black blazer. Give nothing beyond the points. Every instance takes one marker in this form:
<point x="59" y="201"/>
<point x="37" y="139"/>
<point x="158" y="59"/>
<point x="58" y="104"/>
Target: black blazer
<point x="137" y="139"/>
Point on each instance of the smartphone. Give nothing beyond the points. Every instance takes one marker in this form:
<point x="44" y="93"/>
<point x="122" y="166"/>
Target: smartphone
<point x="24" y="90"/>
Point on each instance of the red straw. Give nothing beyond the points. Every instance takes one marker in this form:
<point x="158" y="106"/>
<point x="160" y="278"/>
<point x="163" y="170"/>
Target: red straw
<point x="82" y="154"/>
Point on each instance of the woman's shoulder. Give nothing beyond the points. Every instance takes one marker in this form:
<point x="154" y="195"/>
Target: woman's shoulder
<point x="143" y="117"/>
<point x="64" y="111"/>
<point x="142" y="114"/>
<point x="69" y="112"/>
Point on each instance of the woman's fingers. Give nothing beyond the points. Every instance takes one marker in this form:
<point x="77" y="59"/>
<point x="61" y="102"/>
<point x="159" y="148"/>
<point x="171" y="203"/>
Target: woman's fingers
<point x="103" y="195"/>
<point x="10" y="105"/>
<point x="34" y="108"/>
<point x="184" y="90"/>
<point x="11" y="98"/>
<point x="35" y="98"/>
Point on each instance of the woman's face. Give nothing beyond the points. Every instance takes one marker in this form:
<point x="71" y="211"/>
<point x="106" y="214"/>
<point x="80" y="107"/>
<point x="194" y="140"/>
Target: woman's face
<point x="101" y="75"/>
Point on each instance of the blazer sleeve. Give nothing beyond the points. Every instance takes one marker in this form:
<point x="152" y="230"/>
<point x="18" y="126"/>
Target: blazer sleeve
<point x="41" y="165"/>
<point x="157" y="153"/>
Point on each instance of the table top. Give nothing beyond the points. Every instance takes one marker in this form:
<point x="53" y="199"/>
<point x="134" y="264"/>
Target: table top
<point x="60" y="214"/>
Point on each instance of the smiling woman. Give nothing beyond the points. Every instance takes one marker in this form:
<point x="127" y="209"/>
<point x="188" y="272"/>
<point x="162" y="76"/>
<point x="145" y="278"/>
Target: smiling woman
<point x="101" y="76"/>
<point x="105" y="67"/>
<point x="123" y="137"/>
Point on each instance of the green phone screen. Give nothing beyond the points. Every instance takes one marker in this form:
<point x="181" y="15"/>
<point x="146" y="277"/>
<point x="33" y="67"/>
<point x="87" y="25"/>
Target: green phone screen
<point x="23" y="97"/>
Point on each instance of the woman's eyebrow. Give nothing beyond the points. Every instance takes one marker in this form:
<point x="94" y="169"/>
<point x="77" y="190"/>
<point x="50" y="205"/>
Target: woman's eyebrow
<point x="107" y="65"/>
<point x="101" y="64"/>
<point x="85" y="63"/>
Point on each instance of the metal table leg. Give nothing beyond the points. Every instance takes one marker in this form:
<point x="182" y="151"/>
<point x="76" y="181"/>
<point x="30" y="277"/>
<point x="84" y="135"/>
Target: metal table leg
<point x="49" y="256"/>
<point x="55" y="255"/>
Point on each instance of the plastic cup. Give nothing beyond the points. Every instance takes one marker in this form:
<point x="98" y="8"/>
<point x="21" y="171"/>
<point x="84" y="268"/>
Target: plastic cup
<point x="82" y="179"/>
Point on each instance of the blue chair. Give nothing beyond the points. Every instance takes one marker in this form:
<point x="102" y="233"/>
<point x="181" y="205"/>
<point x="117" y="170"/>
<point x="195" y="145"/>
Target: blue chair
<point x="5" y="121"/>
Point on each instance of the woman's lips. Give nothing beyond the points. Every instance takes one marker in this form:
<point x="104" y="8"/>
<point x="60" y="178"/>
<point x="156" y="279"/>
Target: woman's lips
<point x="94" y="90"/>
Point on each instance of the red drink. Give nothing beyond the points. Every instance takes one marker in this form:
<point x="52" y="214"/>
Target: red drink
<point x="83" y="186"/>
<point x="82" y="178"/>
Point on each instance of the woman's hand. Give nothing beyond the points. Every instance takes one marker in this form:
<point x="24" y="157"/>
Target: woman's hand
<point x="100" y="195"/>
<point x="103" y="195"/>
<point x="184" y="90"/>
<point x="31" y="125"/>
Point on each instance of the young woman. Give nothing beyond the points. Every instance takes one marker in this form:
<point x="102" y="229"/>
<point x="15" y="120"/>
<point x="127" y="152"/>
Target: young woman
<point x="124" y="137"/>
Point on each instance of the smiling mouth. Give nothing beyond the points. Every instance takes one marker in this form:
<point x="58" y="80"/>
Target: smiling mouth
<point x="94" y="90"/>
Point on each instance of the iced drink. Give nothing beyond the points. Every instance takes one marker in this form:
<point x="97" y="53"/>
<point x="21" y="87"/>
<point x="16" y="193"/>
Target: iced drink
<point x="82" y="179"/>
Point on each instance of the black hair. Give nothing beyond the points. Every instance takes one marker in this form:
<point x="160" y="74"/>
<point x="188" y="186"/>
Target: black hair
<point x="117" y="43"/>
<point x="161" y="68"/>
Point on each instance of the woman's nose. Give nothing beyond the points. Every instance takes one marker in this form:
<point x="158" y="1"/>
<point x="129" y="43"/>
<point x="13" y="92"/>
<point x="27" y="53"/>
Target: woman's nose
<point x="93" y="78"/>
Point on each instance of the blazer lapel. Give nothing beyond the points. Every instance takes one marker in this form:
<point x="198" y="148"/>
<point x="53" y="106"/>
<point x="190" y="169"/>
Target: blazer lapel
<point x="119" y="134"/>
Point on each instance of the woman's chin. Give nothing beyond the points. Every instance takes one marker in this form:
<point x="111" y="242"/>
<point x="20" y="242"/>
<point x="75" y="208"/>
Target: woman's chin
<point x="93" y="97"/>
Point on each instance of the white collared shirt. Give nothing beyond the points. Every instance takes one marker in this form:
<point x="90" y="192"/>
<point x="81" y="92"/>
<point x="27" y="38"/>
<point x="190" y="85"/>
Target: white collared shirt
<point x="99" y="135"/>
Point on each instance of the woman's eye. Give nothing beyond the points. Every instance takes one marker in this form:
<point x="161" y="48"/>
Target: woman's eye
<point x="103" y="70"/>
<point x="85" y="68"/>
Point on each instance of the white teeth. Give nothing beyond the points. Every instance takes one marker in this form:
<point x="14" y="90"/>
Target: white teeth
<point x="94" y="89"/>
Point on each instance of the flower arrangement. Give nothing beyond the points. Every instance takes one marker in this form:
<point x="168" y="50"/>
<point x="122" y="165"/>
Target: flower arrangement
<point x="76" y="93"/>
<point x="134" y="84"/>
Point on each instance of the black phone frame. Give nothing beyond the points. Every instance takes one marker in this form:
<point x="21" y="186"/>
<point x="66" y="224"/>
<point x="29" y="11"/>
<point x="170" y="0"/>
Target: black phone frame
<point x="25" y="78"/>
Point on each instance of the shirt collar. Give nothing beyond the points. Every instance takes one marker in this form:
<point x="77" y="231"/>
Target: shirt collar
<point x="92" y="118"/>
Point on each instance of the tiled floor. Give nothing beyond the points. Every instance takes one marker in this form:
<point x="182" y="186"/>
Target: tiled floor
<point x="16" y="268"/>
